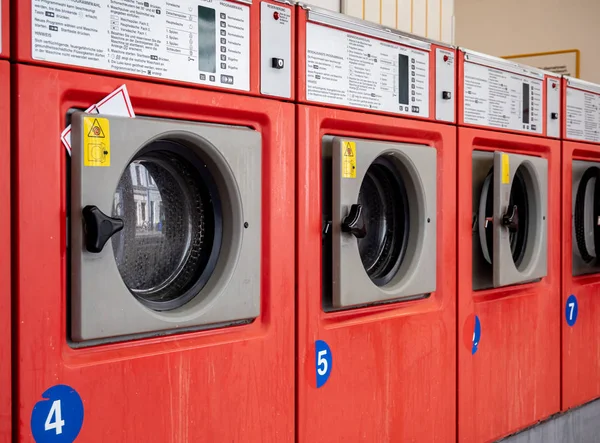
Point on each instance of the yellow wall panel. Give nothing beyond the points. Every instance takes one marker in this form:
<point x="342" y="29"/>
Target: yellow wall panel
<point x="332" y="5"/>
<point x="372" y="10"/>
<point x="403" y="14"/>
<point x="447" y="21"/>
<point x="388" y="13"/>
<point x="428" y="18"/>
<point x="434" y="19"/>
<point x="419" y="17"/>
<point x="353" y="8"/>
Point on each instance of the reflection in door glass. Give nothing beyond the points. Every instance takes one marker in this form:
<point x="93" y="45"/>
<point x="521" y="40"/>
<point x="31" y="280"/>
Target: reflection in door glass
<point x="146" y="254"/>
<point x="168" y="229"/>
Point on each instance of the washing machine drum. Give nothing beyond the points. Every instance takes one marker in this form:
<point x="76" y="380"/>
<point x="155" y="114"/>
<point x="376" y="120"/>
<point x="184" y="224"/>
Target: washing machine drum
<point x="165" y="226"/>
<point x="586" y="214"/>
<point x="383" y="212"/>
<point x="172" y="229"/>
<point x="386" y="219"/>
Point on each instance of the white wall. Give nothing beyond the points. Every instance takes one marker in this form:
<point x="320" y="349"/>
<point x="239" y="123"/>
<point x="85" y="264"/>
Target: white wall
<point x="512" y="27"/>
<point x="428" y="18"/>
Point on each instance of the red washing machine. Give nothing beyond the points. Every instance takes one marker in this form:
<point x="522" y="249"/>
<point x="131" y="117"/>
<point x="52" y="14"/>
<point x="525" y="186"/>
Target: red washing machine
<point x="581" y="242"/>
<point x="4" y="28"/>
<point x="154" y="265"/>
<point x="376" y="250"/>
<point x="5" y="256"/>
<point x="240" y="45"/>
<point x="508" y="246"/>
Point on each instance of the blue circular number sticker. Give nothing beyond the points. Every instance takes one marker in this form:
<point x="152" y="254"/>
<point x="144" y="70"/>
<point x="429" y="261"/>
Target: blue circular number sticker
<point x="571" y="310"/>
<point x="476" y="335"/>
<point x="57" y="418"/>
<point x="323" y="362"/>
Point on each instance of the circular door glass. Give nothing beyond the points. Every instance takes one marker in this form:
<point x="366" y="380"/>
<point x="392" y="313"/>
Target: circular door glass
<point x="166" y="251"/>
<point x="518" y="211"/>
<point x="385" y="215"/>
<point x="587" y="215"/>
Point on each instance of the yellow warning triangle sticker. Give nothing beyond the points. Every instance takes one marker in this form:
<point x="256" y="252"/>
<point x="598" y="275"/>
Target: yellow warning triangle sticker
<point x="96" y="130"/>
<point x="348" y="151"/>
<point x="349" y="160"/>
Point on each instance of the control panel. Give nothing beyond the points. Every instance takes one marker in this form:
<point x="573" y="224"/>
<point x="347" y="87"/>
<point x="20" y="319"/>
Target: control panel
<point x="276" y="49"/>
<point x="445" y="80"/>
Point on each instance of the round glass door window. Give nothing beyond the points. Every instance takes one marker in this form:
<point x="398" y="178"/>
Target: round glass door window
<point x="516" y="218"/>
<point x="587" y="215"/>
<point x="385" y="214"/>
<point x="171" y="238"/>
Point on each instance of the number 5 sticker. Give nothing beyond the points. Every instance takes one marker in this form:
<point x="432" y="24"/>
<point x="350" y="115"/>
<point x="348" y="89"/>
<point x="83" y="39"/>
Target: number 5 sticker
<point x="58" y="417"/>
<point x="323" y="362"/>
<point x="571" y="310"/>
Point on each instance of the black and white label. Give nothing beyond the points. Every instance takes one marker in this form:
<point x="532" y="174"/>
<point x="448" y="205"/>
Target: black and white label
<point x="583" y="115"/>
<point x="197" y="41"/>
<point x="348" y="69"/>
<point x="501" y="99"/>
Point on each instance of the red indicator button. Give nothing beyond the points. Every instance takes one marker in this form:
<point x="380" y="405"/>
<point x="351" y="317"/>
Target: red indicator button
<point x="276" y="15"/>
<point x="446" y="58"/>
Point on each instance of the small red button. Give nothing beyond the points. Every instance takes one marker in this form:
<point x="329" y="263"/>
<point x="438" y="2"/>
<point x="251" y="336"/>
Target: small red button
<point x="446" y="58"/>
<point x="276" y="15"/>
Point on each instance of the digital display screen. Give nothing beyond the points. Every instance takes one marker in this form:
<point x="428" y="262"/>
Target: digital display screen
<point x="525" y="103"/>
<point x="403" y="79"/>
<point x="207" y="43"/>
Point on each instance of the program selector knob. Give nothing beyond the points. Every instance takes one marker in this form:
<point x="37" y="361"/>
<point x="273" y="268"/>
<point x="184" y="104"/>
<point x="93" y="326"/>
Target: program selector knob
<point x="277" y="63"/>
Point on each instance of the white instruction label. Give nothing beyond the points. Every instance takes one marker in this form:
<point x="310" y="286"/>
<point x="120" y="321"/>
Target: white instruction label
<point x="197" y="41"/>
<point x="583" y="115"/>
<point x="501" y="99"/>
<point x="353" y="70"/>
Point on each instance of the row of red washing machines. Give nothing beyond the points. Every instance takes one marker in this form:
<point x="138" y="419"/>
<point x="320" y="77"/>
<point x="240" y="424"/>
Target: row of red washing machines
<point x="262" y="221"/>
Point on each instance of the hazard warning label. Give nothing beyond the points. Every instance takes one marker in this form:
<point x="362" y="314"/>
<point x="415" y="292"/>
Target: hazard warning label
<point x="96" y="130"/>
<point x="197" y="41"/>
<point x="349" y="159"/>
<point x="96" y="141"/>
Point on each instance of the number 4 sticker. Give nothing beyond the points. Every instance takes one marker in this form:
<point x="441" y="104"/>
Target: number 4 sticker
<point x="571" y="310"/>
<point x="323" y="362"/>
<point x="58" y="417"/>
<point x="58" y="422"/>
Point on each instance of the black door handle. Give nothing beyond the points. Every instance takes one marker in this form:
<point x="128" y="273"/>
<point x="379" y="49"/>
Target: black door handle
<point x="99" y="228"/>
<point x="511" y="220"/>
<point x="353" y="223"/>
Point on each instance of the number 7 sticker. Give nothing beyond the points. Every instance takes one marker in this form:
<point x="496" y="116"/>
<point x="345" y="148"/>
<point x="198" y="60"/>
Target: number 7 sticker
<point x="571" y="310"/>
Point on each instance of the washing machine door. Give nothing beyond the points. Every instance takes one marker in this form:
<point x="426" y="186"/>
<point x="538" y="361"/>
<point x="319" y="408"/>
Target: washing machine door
<point x="586" y="217"/>
<point x="383" y="220"/>
<point x="165" y="225"/>
<point x="520" y="202"/>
